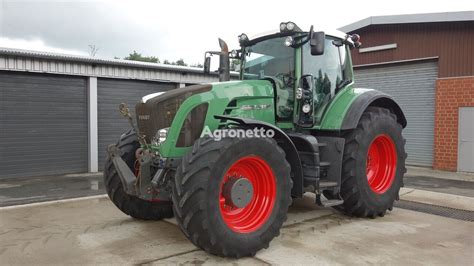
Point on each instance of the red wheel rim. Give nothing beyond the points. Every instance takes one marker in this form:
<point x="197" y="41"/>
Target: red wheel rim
<point x="251" y="217"/>
<point x="381" y="163"/>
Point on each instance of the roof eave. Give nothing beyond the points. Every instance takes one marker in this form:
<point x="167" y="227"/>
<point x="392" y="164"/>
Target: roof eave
<point x="410" y="18"/>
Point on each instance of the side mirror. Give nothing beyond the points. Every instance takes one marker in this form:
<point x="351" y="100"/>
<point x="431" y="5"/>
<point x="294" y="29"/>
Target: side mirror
<point x="317" y="43"/>
<point x="207" y="65"/>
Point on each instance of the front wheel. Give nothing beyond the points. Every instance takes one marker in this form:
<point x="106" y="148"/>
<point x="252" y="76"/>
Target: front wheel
<point x="231" y="197"/>
<point x="373" y="164"/>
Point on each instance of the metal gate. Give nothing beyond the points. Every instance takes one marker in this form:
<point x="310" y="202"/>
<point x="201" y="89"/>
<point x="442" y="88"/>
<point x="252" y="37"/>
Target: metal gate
<point x="413" y="87"/>
<point x="466" y="140"/>
<point x="43" y="124"/>
<point x="112" y="92"/>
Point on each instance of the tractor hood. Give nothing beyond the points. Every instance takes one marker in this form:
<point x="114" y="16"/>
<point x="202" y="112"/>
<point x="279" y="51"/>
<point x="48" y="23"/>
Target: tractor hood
<point x="157" y="111"/>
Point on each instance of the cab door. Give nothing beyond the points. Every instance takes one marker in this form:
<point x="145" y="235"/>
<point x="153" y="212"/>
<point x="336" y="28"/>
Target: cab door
<point x="330" y="71"/>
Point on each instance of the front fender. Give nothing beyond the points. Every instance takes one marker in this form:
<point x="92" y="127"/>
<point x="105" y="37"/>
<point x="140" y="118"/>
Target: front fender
<point x="285" y="142"/>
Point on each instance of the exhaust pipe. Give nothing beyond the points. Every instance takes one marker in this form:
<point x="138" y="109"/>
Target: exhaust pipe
<point x="224" y="63"/>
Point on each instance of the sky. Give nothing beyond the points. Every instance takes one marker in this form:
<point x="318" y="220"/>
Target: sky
<point x="178" y="29"/>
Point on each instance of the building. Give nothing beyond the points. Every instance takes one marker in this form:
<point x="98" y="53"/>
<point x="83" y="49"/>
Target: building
<point x="59" y="112"/>
<point x="426" y="61"/>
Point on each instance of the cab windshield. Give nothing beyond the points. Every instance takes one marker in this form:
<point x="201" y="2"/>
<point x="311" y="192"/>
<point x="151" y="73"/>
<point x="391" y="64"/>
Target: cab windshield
<point x="269" y="58"/>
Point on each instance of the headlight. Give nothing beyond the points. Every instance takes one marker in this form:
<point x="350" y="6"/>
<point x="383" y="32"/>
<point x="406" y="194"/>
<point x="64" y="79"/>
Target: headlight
<point x="243" y="38"/>
<point x="306" y="108"/>
<point x="161" y="136"/>
<point x="290" y="26"/>
<point x="299" y="93"/>
<point x="289" y="41"/>
<point x="234" y="53"/>
<point x="282" y="26"/>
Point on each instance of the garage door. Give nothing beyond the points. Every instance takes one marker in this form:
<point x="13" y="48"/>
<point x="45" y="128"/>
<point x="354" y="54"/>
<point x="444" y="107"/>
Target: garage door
<point x="43" y="124"/>
<point x="112" y="92"/>
<point x="413" y="87"/>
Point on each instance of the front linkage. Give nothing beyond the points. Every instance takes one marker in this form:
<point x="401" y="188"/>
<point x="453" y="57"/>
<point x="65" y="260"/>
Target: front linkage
<point x="139" y="183"/>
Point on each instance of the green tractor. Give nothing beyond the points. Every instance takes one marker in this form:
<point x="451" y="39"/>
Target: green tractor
<point x="226" y="159"/>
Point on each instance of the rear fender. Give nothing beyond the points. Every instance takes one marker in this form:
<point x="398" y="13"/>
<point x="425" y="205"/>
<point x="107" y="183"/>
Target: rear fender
<point x="371" y="98"/>
<point x="346" y="109"/>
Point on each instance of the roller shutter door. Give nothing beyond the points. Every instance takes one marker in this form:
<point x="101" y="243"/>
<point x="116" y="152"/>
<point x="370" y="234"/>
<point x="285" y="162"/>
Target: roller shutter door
<point x="413" y="87"/>
<point x="112" y="92"/>
<point x="43" y="124"/>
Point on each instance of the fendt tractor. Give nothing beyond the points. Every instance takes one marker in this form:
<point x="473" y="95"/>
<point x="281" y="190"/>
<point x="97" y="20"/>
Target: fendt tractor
<point x="230" y="194"/>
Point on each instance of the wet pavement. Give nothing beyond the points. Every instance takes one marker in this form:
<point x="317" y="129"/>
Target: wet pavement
<point x="39" y="189"/>
<point x="448" y="186"/>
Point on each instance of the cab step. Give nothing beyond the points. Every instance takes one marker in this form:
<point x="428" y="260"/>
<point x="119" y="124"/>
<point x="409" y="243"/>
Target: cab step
<point x="328" y="203"/>
<point x="324" y="164"/>
<point x="327" y="184"/>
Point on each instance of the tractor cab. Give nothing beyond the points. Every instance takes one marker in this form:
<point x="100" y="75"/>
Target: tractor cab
<point x="306" y="68"/>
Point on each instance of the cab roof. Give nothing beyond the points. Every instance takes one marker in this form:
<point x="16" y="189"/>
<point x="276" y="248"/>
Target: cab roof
<point x="331" y="32"/>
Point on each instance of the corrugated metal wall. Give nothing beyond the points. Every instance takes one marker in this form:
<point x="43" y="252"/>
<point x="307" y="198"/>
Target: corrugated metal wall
<point x="452" y="42"/>
<point x="43" y="124"/>
<point x="413" y="87"/>
<point x="52" y="88"/>
<point x="70" y="67"/>
<point x="111" y="93"/>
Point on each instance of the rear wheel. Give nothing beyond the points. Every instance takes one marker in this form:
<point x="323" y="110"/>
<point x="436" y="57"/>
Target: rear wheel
<point x="373" y="164"/>
<point x="231" y="196"/>
<point x="131" y="205"/>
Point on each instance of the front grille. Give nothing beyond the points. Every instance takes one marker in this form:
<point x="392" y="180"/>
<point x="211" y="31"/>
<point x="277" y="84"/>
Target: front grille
<point x="159" y="112"/>
<point x="192" y="126"/>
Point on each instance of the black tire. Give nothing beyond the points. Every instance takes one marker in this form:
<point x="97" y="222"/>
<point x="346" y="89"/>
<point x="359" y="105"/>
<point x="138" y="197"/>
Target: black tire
<point x="359" y="199"/>
<point x="196" y="192"/>
<point x="131" y="205"/>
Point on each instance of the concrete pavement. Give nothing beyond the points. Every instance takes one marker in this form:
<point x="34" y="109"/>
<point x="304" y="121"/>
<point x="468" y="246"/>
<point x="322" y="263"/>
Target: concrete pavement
<point x="93" y="231"/>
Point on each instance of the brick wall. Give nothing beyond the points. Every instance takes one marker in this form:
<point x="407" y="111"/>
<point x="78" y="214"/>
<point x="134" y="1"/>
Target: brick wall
<point x="451" y="93"/>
